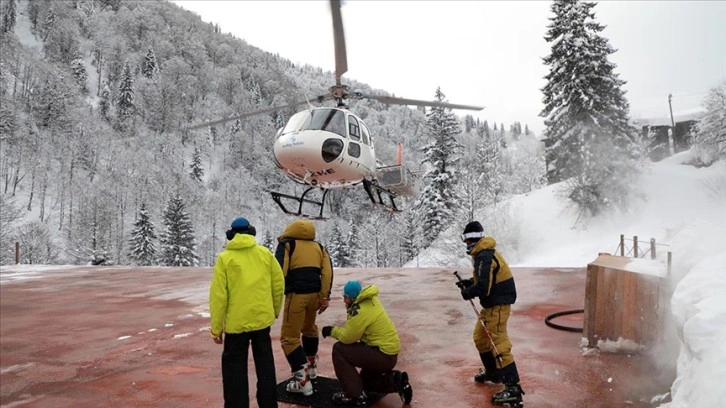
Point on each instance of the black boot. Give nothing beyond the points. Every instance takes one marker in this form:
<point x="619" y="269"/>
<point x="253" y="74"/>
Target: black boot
<point x="511" y="395"/>
<point x="403" y="387"/>
<point x="490" y="372"/>
<point x="339" y="398"/>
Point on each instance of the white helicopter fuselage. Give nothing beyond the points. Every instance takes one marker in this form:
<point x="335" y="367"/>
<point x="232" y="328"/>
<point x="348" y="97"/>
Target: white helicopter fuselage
<point x="326" y="148"/>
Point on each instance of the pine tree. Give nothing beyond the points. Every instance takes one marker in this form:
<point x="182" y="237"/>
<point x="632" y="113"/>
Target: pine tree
<point x="48" y="23"/>
<point x="79" y="69"/>
<point x="409" y="244"/>
<point x="104" y="104"/>
<point x="586" y="115"/>
<point x="269" y="242"/>
<point x="177" y="240"/>
<point x="336" y="247"/>
<point x="437" y="202"/>
<point x="9" y="15"/>
<point x="126" y="100"/>
<point x="710" y="138"/>
<point x="143" y="250"/>
<point x="354" y="253"/>
<point x="149" y="68"/>
<point x="196" y="171"/>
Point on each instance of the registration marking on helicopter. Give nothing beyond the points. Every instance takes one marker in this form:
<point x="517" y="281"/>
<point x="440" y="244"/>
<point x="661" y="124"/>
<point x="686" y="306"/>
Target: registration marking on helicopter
<point x="292" y="141"/>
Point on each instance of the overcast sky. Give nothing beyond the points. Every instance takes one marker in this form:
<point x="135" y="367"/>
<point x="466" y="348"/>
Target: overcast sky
<point x="489" y="52"/>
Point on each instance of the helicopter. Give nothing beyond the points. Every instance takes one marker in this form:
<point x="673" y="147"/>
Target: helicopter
<point x="330" y="147"/>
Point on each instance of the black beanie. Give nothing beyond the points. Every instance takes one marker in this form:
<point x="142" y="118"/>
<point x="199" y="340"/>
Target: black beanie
<point x="473" y="230"/>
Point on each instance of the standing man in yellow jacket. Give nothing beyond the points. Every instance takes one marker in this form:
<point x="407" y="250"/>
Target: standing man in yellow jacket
<point x="245" y="298"/>
<point x="368" y="341"/>
<point x="308" y="274"/>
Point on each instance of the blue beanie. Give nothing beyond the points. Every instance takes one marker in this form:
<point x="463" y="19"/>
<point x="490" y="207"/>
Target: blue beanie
<point x="240" y="224"/>
<point x="351" y="289"/>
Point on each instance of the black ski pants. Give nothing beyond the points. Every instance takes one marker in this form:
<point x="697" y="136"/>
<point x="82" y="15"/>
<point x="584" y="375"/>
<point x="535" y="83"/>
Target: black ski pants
<point x="234" y="369"/>
<point x="376" y="374"/>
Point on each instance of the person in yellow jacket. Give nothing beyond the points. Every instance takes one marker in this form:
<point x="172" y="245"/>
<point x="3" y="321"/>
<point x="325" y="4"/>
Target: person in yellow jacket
<point x="308" y="274"/>
<point x="368" y="341"/>
<point x="245" y="298"/>
<point x="492" y="282"/>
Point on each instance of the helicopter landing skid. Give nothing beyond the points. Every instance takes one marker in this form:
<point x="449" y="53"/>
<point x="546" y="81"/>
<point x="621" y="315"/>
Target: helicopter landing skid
<point x="300" y="200"/>
<point x="372" y="187"/>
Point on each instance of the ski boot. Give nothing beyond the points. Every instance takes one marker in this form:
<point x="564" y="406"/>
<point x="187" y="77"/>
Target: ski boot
<point x="510" y="396"/>
<point x="485" y="376"/>
<point x="339" y="398"/>
<point x="403" y="387"/>
<point x="300" y="383"/>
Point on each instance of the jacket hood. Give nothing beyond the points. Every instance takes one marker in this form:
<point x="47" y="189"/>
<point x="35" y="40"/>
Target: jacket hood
<point x="367" y="293"/>
<point x="241" y="241"/>
<point x="484" y="243"/>
<point x="299" y="229"/>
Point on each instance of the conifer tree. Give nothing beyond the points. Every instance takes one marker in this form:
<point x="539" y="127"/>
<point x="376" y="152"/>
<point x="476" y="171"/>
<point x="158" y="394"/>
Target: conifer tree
<point x="104" y="104"/>
<point x="178" y="246"/>
<point x="409" y="244"/>
<point x="586" y="114"/>
<point x="79" y="69"/>
<point x="437" y="202"/>
<point x="196" y="171"/>
<point x="143" y="249"/>
<point x="126" y="100"/>
<point x="353" y="245"/>
<point x="269" y="241"/>
<point x="149" y="68"/>
<point x="9" y="15"/>
<point x="336" y="247"/>
<point x="710" y="138"/>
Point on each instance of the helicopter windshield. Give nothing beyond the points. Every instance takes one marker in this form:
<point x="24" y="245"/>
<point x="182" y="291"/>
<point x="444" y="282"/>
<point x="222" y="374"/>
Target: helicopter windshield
<point x="296" y="122"/>
<point x="332" y="120"/>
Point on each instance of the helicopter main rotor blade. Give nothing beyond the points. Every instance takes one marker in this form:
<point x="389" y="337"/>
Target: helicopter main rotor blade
<point x="341" y="59"/>
<point x="391" y="100"/>
<point x="245" y="115"/>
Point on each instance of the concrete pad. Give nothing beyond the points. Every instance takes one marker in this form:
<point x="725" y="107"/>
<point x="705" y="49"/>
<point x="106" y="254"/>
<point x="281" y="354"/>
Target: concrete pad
<point x="138" y="337"/>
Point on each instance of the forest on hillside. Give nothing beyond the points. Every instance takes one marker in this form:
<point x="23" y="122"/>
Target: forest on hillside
<point x="97" y="96"/>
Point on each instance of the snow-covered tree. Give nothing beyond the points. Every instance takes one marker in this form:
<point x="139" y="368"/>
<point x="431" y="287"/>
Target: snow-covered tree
<point x="142" y="248"/>
<point x="269" y="241"/>
<point x="126" y="100"/>
<point x="149" y="68"/>
<point x="196" y="171"/>
<point x="8" y="10"/>
<point x="409" y="240"/>
<point x="710" y="138"/>
<point x="79" y="69"/>
<point x="437" y="202"/>
<point x="586" y="113"/>
<point x="336" y="247"/>
<point x="104" y="103"/>
<point x="178" y="247"/>
<point x="353" y="245"/>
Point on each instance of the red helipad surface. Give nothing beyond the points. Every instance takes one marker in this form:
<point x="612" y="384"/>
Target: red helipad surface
<point x="138" y="337"/>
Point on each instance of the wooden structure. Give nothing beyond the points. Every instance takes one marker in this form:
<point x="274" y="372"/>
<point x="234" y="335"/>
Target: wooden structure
<point x="625" y="299"/>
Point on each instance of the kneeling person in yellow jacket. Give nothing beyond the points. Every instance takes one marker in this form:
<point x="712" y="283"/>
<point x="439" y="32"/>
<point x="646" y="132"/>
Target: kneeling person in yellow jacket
<point x="368" y="341"/>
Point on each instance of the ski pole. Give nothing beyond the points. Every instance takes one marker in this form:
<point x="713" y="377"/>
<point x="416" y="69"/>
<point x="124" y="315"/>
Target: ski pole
<point x="497" y="356"/>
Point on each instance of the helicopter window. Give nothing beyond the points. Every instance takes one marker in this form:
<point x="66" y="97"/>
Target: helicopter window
<point x="296" y="122"/>
<point x="332" y="120"/>
<point x="353" y="149"/>
<point x="366" y="134"/>
<point x="353" y="128"/>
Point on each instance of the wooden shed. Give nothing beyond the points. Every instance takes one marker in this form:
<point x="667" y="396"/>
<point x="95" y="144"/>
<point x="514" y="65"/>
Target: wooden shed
<point x="625" y="299"/>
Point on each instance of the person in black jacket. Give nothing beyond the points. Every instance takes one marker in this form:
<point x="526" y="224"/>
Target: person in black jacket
<point x="493" y="284"/>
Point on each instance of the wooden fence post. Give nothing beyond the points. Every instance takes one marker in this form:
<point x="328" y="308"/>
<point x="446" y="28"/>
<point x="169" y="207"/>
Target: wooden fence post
<point x="622" y="245"/>
<point x="670" y="259"/>
<point x="652" y="248"/>
<point x="635" y="246"/>
<point x="17" y="252"/>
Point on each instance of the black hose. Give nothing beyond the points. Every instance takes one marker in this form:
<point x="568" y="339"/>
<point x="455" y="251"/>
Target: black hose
<point x="564" y="313"/>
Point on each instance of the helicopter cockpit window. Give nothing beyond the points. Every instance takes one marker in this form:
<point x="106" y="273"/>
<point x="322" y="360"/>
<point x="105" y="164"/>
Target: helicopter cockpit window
<point x="353" y="128"/>
<point x="366" y="134"/>
<point x="296" y="122"/>
<point x="332" y="120"/>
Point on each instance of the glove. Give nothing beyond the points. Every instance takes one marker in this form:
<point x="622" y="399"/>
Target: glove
<point x="327" y="331"/>
<point x="323" y="305"/>
<point x="465" y="283"/>
<point x="467" y="294"/>
<point x="219" y="339"/>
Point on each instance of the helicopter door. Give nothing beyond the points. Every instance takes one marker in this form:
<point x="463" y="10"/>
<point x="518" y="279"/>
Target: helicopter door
<point x="356" y="149"/>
